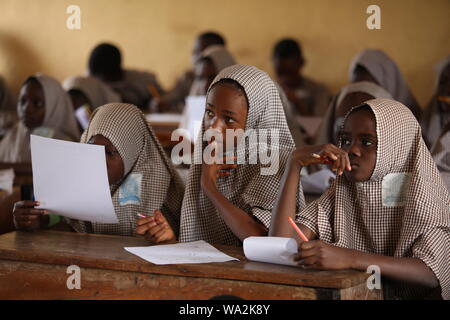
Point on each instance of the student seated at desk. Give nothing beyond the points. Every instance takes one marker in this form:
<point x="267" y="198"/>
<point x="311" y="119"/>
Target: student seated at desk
<point x="135" y="87"/>
<point x="348" y="97"/>
<point x="174" y="99"/>
<point x="44" y="109"/>
<point x="437" y="114"/>
<point x="226" y="203"/>
<point x="140" y="175"/>
<point x="377" y="67"/>
<point x="87" y="94"/>
<point x="388" y="206"/>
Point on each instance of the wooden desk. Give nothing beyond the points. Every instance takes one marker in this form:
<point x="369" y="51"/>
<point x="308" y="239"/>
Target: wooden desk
<point x="33" y="265"/>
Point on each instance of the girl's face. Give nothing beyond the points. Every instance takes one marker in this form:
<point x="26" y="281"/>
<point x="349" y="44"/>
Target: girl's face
<point x="114" y="162"/>
<point x="32" y="104"/>
<point x="226" y="108"/>
<point x="359" y="140"/>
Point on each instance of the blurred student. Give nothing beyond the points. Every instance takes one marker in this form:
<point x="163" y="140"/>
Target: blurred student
<point x="376" y="66"/>
<point x="133" y="86"/>
<point x="44" y="109"/>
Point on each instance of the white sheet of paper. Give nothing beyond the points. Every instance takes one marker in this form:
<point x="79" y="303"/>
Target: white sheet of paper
<point x="82" y="116"/>
<point x="276" y="250"/>
<point x="7" y="180"/>
<point x="181" y="253"/>
<point x="193" y="116"/>
<point x="70" y="179"/>
<point x="317" y="182"/>
<point x="163" y="118"/>
<point x="310" y="124"/>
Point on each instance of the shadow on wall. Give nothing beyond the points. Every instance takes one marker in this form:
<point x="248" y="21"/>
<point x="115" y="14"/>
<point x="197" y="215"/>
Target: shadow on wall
<point x="17" y="61"/>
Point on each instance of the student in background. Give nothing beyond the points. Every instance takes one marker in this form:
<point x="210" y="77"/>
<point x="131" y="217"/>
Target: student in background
<point x="208" y="65"/>
<point x="388" y="206"/>
<point x="308" y="98"/>
<point x="134" y="87"/>
<point x="211" y="61"/>
<point x="87" y="94"/>
<point x="348" y="97"/>
<point x="141" y="177"/>
<point x="44" y="109"/>
<point x="376" y="66"/>
<point x="174" y="99"/>
<point x="8" y="113"/>
<point x="437" y="114"/>
<point x="225" y="203"/>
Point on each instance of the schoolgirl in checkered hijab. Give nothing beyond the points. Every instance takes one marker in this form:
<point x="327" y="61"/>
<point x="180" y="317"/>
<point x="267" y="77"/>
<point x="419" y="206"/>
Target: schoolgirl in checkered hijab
<point x="149" y="183"/>
<point x="403" y="210"/>
<point x="245" y="187"/>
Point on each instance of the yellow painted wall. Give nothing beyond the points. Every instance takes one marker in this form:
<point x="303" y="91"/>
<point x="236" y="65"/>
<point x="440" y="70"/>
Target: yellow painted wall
<point x="158" y="35"/>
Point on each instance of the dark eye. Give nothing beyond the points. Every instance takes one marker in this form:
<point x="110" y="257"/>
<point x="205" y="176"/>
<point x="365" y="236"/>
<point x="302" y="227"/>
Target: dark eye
<point x="209" y="113"/>
<point x="346" y="141"/>
<point x="366" y="143"/>
<point x="229" y="120"/>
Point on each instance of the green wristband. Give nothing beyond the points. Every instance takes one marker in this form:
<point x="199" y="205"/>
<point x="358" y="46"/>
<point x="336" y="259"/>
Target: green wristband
<point x="53" y="220"/>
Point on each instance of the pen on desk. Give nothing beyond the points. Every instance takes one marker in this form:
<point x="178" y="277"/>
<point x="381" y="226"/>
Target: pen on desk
<point x="300" y="233"/>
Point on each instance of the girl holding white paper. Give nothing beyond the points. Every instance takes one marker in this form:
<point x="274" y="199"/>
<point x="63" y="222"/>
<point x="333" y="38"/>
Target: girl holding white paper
<point x="141" y="177"/>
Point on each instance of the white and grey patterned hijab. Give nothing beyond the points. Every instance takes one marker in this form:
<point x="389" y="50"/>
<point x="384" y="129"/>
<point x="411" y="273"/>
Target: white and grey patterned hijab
<point x="403" y="210"/>
<point x="150" y="182"/>
<point x="387" y="74"/>
<point x="246" y="188"/>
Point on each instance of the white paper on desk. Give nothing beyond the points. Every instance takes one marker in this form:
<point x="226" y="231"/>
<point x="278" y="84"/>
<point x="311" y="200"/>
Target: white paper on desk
<point x="7" y="180"/>
<point x="193" y="113"/>
<point x="310" y="124"/>
<point x="181" y="253"/>
<point x="156" y="118"/>
<point x="70" y="179"/>
<point x="317" y="182"/>
<point x="277" y="250"/>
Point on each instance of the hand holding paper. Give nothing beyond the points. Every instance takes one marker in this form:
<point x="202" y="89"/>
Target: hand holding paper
<point x="70" y="179"/>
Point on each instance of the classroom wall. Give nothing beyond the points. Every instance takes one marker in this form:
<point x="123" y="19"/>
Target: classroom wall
<point x="158" y="35"/>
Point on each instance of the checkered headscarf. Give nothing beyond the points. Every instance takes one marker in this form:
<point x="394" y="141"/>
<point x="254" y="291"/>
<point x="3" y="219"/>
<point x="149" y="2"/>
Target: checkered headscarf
<point x="161" y="187"/>
<point x="246" y="188"/>
<point x="353" y="215"/>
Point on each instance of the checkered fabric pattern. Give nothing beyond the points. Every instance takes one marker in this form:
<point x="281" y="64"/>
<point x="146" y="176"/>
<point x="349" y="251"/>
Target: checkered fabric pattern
<point x="245" y="188"/>
<point x="352" y="215"/>
<point x="162" y="188"/>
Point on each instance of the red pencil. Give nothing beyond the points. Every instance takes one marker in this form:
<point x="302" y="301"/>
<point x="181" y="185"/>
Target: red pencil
<point x="300" y="233"/>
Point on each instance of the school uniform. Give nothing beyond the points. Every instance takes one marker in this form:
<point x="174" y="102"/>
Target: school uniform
<point x="245" y="187"/>
<point x="403" y="210"/>
<point x="150" y="182"/>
